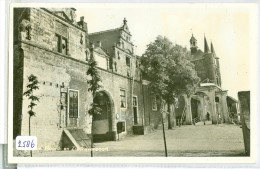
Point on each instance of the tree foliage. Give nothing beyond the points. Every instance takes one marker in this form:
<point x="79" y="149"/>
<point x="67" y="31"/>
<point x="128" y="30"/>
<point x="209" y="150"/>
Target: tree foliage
<point x="168" y="68"/>
<point x="170" y="72"/>
<point x="94" y="86"/>
<point x="31" y="87"/>
<point x="95" y="80"/>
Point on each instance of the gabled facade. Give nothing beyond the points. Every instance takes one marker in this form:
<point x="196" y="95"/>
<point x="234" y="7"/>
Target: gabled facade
<point x="52" y="45"/>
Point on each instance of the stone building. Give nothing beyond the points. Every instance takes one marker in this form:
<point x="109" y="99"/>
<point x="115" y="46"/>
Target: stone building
<point x="52" y="45"/>
<point x="209" y="97"/>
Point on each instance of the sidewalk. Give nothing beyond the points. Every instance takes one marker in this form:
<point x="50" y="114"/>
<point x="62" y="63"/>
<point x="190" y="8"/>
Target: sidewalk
<point x="190" y="140"/>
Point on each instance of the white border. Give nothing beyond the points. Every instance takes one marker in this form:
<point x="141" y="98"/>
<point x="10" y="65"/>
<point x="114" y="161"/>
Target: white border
<point x="78" y="160"/>
<point x="3" y="66"/>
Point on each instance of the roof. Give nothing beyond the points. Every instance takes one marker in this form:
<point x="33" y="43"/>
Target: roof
<point x="105" y="31"/>
<point x="232" y="99"/>
<point x="192" y="38"/>
<point x="197" y="56"/>
<point x="100" y="51"/>
<point x="206" y="46"/>
<point x="110" y="38"/>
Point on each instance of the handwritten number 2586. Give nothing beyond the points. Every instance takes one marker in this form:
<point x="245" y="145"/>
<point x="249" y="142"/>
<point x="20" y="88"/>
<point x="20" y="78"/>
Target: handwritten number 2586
<point x="27" y="143"/>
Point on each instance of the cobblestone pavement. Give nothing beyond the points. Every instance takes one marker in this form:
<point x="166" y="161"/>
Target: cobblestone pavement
<point x="201" y="141"/>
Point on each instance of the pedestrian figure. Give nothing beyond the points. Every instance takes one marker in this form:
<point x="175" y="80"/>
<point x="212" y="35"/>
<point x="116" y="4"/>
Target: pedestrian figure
<point x="207" y="116"/>
<point x="219" y="117"/>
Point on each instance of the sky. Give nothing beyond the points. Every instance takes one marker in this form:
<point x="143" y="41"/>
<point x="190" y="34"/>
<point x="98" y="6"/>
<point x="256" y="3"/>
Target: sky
<point x="232" y="28"/>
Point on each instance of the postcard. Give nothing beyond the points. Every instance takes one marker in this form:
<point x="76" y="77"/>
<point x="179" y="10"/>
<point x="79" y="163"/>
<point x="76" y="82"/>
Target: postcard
<point x="132" y="83"/>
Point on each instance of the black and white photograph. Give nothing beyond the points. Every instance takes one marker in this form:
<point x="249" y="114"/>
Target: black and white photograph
<point x="131" y="80"/>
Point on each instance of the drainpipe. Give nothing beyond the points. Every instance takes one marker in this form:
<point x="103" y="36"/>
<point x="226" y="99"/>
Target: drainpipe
<point x="132" y="92"/>
<point x="144" y="100"/>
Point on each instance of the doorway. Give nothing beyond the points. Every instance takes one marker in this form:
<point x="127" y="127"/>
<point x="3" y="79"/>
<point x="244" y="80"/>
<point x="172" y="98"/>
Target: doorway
<point x="135" y="110"/>
<point x="103" y="122"/>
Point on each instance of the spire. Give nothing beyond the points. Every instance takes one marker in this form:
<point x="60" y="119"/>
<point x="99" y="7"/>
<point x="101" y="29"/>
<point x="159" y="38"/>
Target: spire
<point x="212" y="48"/>
<point x="206" y="47"/>
<point x="193" y="44"/>
<point x="193" y="39"/>
<point x="125" y="21"/>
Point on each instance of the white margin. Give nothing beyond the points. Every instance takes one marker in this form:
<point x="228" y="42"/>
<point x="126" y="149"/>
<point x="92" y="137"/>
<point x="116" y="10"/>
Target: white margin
<point x="147" y="160"/>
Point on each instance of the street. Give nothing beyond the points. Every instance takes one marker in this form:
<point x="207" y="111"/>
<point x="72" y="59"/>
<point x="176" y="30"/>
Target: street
<point x="185" y="141"/>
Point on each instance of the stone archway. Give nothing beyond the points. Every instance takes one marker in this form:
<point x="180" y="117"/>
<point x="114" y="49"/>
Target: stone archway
<point x="104" y="125"/>
<point x="194" y="108"/>
<point x="203" y="105"/>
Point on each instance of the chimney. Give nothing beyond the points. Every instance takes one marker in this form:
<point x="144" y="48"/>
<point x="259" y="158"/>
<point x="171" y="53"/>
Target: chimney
<point x="99" y="44"/>
<point x="91" y="46"/>
<point x="84" y="26"/>
<point x="82" y="18"/>
<point x="125" y="21"/>
<point x="73" y="11"/>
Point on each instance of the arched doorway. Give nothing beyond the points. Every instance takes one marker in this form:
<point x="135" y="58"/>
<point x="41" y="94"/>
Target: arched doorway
<point x="104" y="123"/>
<point x="194" y="108"/>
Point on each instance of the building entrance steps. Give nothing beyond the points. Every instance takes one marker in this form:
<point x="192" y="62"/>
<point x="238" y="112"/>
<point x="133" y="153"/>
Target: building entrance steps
<point x="75" y="138"/>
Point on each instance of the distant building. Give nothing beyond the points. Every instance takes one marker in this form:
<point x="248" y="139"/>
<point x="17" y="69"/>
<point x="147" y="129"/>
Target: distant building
<point x="209" y="97"/>
<point x="233" y="110"/>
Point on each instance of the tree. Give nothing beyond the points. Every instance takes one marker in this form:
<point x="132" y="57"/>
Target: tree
<point x="94" y="84"/>
<point x="154" y="67"/>
<point x="31" y="87"/>
<point x="170" y="72"/>
<point x="182" y="77"/>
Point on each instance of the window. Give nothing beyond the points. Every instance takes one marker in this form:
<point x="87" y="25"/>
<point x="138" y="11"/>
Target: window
<point x="73" y="103"/>
<point x="61" y="44"/>
<point x="154" y="103"/>
<point x="135" y="110"/>
<point x="123" y="98"/>
<point x="127" y="59"/>
<point x="58" y="43"/>
<point x="134" y="101"/>
<point x="118" y="54"/>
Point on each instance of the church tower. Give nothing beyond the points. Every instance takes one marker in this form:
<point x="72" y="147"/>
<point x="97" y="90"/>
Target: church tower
<point x="193" y="44"/>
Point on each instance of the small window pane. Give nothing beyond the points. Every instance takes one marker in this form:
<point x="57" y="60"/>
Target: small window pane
<point x="73" y="104"/>
<point x="154" y="103"/>
<point x="134" y="101"/>
<point x="123" y="98"/>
